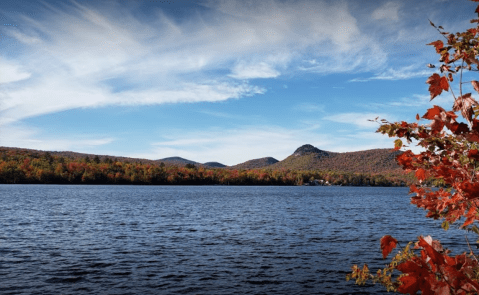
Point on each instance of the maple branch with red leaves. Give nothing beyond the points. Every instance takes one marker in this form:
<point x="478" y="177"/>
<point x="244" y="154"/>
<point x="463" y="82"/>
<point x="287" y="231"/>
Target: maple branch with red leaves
<point x="451" y="154"/>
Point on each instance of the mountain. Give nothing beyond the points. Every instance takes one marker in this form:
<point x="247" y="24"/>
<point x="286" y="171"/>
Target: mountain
<point x="75" y="155"/>
<point x="177" y="161"/>
<point x="308" y="157"/>
<point x="256" y="163"/>
<point x="214" y="165"/>
<point x="309" y="149"/>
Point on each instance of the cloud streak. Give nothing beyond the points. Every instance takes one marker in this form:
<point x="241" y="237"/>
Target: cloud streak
<point x="402" y="73"/>
<point x="388" y="11"/>
<point x="11" y="72"/>
<point x="79" y="56"/>
<point x="359" y="120"/>
<point x="28" y="137"/>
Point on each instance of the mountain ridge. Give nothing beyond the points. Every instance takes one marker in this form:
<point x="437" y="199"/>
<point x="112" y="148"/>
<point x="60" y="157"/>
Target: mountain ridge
<point x="255" y="163"/>
<point x="306" y="157"/>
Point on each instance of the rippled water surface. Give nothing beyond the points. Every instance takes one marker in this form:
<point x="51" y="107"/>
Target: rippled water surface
<point x="199" y="240"/>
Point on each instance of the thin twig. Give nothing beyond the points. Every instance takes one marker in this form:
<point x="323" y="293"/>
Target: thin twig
<point x="460" y="81"/>
<point x="473" y="255"/>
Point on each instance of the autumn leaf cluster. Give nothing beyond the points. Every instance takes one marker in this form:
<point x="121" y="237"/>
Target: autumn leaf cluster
<point x="450" y="152"/>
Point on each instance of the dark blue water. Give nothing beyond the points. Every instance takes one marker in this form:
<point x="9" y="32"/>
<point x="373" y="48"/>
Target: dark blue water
<point x="200" y="240"/>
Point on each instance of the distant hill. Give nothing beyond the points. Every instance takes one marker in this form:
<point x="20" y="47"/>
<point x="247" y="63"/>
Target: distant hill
<point x="177" y="161"/>
<point x="22" y="166"/>
<point x="309" y="149"/>
<point x="214" y="165"/>
<point x="75" y="155"/>
<point x="256" y="163"/>
<point x="308" y="157"/>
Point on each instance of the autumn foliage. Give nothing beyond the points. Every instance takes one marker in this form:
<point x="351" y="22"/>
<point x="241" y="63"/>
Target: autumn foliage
<point x="451" y="153"/>
<point x="31" y="166"/>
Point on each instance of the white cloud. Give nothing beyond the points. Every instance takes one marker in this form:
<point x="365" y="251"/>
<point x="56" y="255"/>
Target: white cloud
<point x="78" y="56"/>
<point x="418" y="100"/>
<point x="32" y="138"/>
<point x="11" y="72"/>
<point x="54" y="94"/>
<point x="310" y="107"/>
<point x="360" y="120"/>
<point x="403" y="73"/>
<point x="234" y="146"/>
<point x="388" y="11"/>
<point x="360" y="141"/>
<point x="260" y="70"/>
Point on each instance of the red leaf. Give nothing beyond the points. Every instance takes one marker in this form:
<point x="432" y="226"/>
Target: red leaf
<point x="459" y="128"/>
<point x="409" y="285"/>
<point x="444" y="84"/>
<point x="473" y="154"/>
<point x="468" y="221"/>
<point x="388" y="243"/>
<point x="420" y="174"/>
<point x="474" y="137"/>
<point x="475" y="84"/>
<point x="470" y="190"/>
<point x="464" y="104"/>
<point x="438" y="44"/>
<point x="405" y="159"/>
<point x="437" y="85"/>
<point x="441" y="288"/>
<point x="408" y="267"/>
<point x="437" y="125"/>
<point x="435" y="256"/>
<point x="431" y="113"/>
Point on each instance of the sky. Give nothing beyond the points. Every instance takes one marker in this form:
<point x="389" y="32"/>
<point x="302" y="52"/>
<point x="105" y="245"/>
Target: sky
<point x="214" y="80"/>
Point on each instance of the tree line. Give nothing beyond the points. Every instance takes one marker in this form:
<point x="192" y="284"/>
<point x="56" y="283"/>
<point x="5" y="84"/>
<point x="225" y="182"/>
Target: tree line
<point x="27" y="167"/>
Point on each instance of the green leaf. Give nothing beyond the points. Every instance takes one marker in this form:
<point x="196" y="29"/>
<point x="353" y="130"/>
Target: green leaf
<point x="398" y="144"/>
<point x="445" y="225"/>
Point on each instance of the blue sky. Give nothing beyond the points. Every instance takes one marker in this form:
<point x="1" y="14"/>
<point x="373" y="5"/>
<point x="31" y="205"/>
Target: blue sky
<point x="224" y="81"/>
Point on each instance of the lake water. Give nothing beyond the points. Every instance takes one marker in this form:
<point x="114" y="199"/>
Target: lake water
<point x="200" y="239"/>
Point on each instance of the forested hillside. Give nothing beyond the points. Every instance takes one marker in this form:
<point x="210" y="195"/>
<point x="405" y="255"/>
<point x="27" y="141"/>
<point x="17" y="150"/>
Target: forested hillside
<point x="30" y="166"/>
<point x="369" y="161"/>
<point x="256" y="163"/>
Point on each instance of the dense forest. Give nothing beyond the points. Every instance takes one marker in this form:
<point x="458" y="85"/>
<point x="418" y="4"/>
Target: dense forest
<point x="30" y="166"/>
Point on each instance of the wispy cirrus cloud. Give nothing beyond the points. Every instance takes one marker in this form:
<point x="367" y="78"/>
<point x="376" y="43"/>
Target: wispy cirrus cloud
<point x="359" y="120"/>
<point x="233" y="146"/>
<point x="414" y="101"/>
<point x="83" y="56"/>
<point x="34" y="138"/>
<point x="309" y="107"/>
<point x="11" y="72"/>
<point x="402" y="73"/>
<point x="254" y="71"/>
<point x="388" y="11"/>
